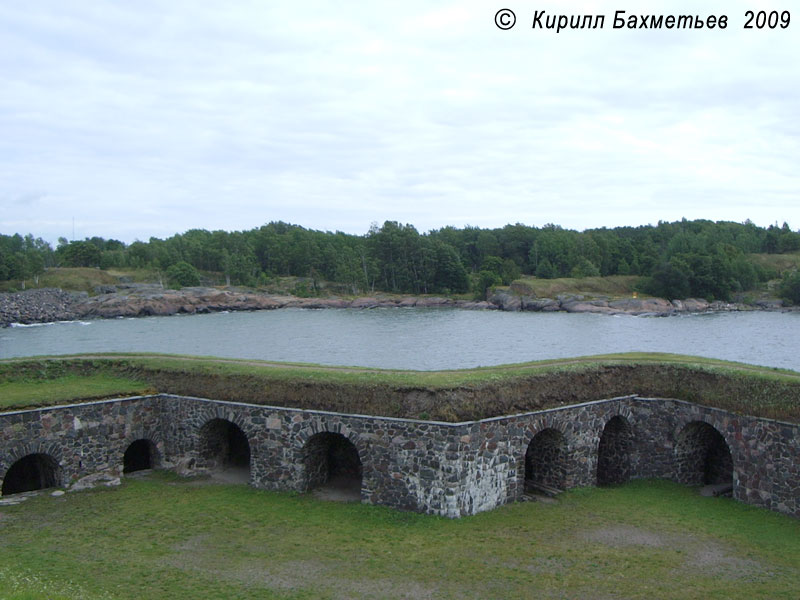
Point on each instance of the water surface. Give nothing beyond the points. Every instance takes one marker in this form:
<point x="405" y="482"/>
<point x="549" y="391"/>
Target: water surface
<point x="423" y="339"/>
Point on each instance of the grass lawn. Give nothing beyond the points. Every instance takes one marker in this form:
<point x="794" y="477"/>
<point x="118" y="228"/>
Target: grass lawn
<point x="165" y="537"/>
<point x="24" y="393"/>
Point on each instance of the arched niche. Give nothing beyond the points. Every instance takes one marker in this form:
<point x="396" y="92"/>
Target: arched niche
<point x="331" y="460"/>
<point x="546" y="460"/>
<point x="224" y="448"/>
<point x="613" y="452"/>
<point x="702" y="456"/>
<point x="141" y="454"/>
<point x="36" y="471"/>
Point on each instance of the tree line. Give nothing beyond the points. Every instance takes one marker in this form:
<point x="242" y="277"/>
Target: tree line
<point x="674" y="260"/>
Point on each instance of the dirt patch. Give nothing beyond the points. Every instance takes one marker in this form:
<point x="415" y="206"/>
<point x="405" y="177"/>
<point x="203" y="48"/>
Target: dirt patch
<point x="231" y="475"/>
<point x="199" y="555"/>
<point x="621" y="536"/>
<point x="706" y="556"/>
<point x="714" y="559"/>
<point x="544" y="565"/>
<point x="341" y="488"/>
<point x="204" y="477"/>
<point x="310" y="575"/>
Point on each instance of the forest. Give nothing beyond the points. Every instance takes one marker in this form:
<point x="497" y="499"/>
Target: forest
<point x="680" y="259"/>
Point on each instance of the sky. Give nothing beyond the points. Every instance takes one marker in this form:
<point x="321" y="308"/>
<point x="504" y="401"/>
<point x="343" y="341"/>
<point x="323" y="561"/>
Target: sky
<point x="128" y="120"/>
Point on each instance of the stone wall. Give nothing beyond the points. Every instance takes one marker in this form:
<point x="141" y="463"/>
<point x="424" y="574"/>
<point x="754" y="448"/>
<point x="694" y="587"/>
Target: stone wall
<point x="83" y="438"/>
<point x="438" y="468"/>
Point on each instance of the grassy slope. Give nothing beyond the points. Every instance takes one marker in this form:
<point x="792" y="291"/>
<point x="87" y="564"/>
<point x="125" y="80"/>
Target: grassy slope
<point x="615" y="286"/>
<point x="440" y="395"/>
<point x="82" y="279"/>
<point x="86" y="279"/>
<point x="164" y="537"/>
<point x="779" y="262"/>
<point x="45" y="392"/>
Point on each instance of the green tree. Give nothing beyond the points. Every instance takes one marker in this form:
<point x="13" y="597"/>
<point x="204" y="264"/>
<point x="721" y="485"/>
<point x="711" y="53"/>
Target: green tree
<point x="79" y="254"/>
<point x="585" y="268"/>
<point x="790" y="287"/>
<point x="670" y="280"/>
<point x="450" y="272"/>
<point x="484" y="281"/>
<point x="545" y="270"/>
<point x="182" y="274"/>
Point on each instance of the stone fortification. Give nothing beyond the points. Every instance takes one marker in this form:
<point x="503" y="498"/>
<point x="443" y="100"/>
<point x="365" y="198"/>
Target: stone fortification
<point x="449" y="469"/>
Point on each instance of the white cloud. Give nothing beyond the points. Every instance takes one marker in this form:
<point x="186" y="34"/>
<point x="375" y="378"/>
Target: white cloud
<point x="152" y="118"/>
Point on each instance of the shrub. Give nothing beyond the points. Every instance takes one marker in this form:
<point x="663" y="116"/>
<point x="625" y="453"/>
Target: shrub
<point x="182" y="274"/>
<point x="790" y="287"/>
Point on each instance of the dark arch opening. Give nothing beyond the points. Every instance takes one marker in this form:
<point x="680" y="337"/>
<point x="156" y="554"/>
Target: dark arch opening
<point x="546" y="460"/>
<point x="702" y="456"/>
<point x="31" y="472"/>
<point x="224" y="448"/>
<point x="613" y="453"/>
<point x="331" y="461"/>
<point x="140" y="455"/>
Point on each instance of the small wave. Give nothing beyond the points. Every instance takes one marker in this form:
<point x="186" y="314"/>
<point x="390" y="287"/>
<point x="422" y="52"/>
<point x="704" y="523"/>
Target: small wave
<point x="29" y="324"/>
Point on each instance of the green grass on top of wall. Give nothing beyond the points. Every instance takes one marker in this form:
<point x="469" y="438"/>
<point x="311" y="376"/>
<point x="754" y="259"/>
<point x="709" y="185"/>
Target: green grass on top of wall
<point x="453" y="395"/>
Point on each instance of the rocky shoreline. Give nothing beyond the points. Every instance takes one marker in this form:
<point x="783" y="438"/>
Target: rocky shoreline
<point x="39" y="306"/>
<point x="132" y="300"/>
<point x="653" y="307"/>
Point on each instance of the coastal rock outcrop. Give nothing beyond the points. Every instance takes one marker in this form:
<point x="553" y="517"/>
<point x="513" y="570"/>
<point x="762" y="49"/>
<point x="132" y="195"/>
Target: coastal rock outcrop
<point x="38" y="306"/>
<point x="657" y="307"/>
<point x="139" y="300"/>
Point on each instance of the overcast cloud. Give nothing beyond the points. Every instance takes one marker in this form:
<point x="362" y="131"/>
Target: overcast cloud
<point x="148" y="118"/>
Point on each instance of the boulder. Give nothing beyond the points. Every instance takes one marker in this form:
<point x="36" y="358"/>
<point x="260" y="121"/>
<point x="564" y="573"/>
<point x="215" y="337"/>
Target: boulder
<point x="107" y="478"/>
<point x="548" y="305"/>
<point x="433" y="301"/>
<point x="481" y="305"/>
<point x="769" y="303"/>
<point x="643" y="306"/>
<point x="366" y="302"/>
<point x="695" y="305"/>
<point x="593" y="306"/>
<point x="505" y="301"/>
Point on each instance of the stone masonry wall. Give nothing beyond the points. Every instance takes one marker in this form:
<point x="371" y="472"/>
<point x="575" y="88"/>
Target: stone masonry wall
<point x="765" y="455"/>
<point x="438" y="468"/>
<point x="83" y="438"/>
<point x="406" y="464"/>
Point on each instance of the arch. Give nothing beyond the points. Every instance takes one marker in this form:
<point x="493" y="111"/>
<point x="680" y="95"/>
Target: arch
<point x="223" y="446"/>
<point x="613" y="452"/>
<point x="546" y="460"/>
<point x="332" y="460"/>
<point x="140" y="454"/>
<point x="37" y="471"/>
<point x="702" y="456"/>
